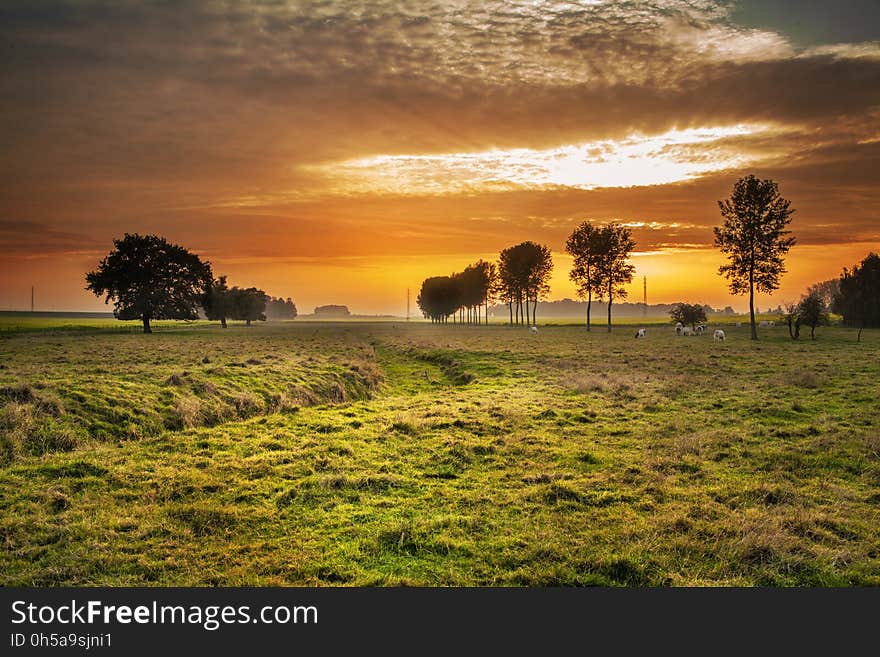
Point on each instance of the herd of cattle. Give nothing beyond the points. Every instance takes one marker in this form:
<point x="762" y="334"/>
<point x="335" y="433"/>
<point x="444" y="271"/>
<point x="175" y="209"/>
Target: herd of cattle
<point x="680" y="329"/>
<point x="718" y="335"/>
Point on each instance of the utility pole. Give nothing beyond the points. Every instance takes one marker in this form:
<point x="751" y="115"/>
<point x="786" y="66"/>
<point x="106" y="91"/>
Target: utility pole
<point x="645" y="295"/>
<point x="407" y="304"/>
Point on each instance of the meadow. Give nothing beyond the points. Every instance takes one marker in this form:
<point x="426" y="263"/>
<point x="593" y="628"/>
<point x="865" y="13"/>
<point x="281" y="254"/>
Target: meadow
<point x="393" y="453"/>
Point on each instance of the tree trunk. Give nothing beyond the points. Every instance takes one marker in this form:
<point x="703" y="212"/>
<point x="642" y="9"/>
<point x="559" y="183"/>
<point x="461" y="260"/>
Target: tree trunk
<point x="812" y="333"/>
<point x="247" y="322"/>
<point x="223" y="322"/>
<point x="859" y="338"/>
<point x="589" y="304"/>
<point x="510" y="308"/>
<point x="610" y="300"/>
<point x="752" y="304"/>
<point x="146" y="320"/>
<point x="535" y="312"/>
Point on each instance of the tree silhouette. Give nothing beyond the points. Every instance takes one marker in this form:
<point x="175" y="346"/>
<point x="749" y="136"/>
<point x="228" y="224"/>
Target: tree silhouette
<point x="248" y="304"/>
<point x="615" y="244"/>
<point x="689" y="314"/>
<point x="858" y="296"/>
<point x="792" y="318"/>
<point x="438" y="298"/>
<point x="754" y="238"/>
<point x="524" y="273"/>
<point x="812" y="312"/>
<point x="826" y="290"/>
<point x="217" y="302"/>
<point x="584" y="246"/>
<point x="280" y="308"/>
<point x="149" y="278"/>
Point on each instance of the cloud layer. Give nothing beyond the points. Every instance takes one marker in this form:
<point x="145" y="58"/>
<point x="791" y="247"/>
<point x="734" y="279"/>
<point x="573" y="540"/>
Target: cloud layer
<point x="313" y="129"/>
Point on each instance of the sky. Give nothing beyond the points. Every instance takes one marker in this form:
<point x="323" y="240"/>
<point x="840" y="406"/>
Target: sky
<point x="343" y="152"/>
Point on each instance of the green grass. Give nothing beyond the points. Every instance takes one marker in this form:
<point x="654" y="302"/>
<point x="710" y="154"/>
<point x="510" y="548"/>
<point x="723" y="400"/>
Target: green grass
<point x="389" y="453"/>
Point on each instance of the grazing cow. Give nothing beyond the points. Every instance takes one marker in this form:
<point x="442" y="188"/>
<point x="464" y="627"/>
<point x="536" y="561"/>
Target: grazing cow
<point x="700" y="329"/>
<point x="763" y="323"/>
<point x="718" y="335"/>
<point x="641" y="333"/>
<point x="686" y="330"/>
<point x="678" y="328"/>
<point x="533" y="329"/>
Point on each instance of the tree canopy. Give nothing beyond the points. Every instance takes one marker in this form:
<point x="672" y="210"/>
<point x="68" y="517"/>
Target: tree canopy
<point x="217" y="303"/>
<point x="688" y="314"/>
<point x="279" y="308"/>
<point x="248" y="304"/>
<point x="584" y="245"/>
<point x="524" y="278"/>
<point x="149" y="278"/>
<point x="613" y="270"/>
<point x="858" y="295"/>
<point x="438" y="298"/>
<point x="812" y="312"/>
<point x="754" y="237"/>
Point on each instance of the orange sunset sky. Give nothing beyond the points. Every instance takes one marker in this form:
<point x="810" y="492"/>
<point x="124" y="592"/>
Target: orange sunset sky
<point x="342" y="152"/>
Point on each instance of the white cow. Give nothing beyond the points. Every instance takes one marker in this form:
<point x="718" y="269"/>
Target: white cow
<point x="701" y="329"/>
<point x="718" y="335"/>
<point x="641" y="333"/>
<point x="678" y="328"/>
<point x="533" y="330"/>
<point x="686" y="330"/>
<point x="764" y="323"/>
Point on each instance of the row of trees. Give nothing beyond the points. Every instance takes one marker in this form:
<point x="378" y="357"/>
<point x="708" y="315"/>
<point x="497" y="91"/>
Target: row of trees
<point x="464" y="296"/>
<point x="754" y="236"/>
<point x="600" y="266"/>
<point x="149" y="278"/>
<point x="520" y="278"/>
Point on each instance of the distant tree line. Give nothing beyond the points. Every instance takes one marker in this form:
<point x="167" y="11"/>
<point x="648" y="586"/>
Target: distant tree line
<point x="148" y="278"/>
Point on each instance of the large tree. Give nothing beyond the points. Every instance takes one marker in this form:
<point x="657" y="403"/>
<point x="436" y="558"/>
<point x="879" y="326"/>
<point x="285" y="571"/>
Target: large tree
<point x="858" y="296"/>
<point x="754" y="237"/>
<point x="149" y="278"/>
<point x="613" y="271"/>
<point x="584" y="246"/>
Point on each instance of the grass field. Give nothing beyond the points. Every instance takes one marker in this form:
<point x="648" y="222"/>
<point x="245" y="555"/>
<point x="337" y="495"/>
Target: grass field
<point x="389" y="453"/>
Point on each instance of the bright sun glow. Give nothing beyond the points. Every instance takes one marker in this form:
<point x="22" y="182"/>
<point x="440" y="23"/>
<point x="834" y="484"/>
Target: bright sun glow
<point x="633" y="161"/>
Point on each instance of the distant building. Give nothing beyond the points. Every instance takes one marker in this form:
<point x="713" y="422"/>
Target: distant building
<point x="332" y="311"/>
